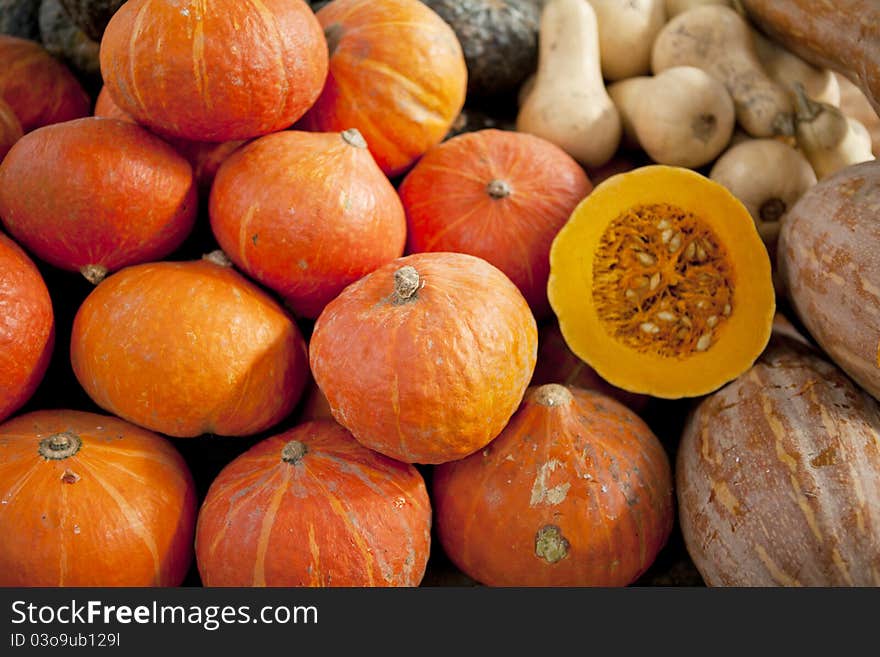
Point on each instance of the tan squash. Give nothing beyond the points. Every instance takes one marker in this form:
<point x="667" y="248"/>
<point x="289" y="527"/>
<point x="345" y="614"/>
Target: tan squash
<point x="830" y="140"/>
<point x="787" y="69"/>
<point x="625" y="94"/>
<point x="717" y="39"/>
<point x="768" y="176"/>
<point x="856" y="105"/>
<point x="626" y="34"/>
<point x="569" y="105"/>
<point x="661" y="284"/>
<point x="682" y="116"/>
<point x="778" y="477"/>
<point x="676" y="7"/>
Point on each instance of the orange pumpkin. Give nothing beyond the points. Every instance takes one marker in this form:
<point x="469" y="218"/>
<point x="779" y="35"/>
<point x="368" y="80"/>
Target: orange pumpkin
<point x="90" y="500"/>
<point x="306" y="214"/>
<point x="226" y="69"/>
<point x="39" y="88"/>
<point x="425" y="359"/>
<point x="96" y="194"/>
<point x="397" y="74"/>
<point x="312" y="507"/>
<point x="204" y="156"/>
<point x="558" y="364"/>
<point x="27" y="327"/>
<point x="498" y="195"/>
<point x="188" y="348"/>
<point x="576" y="491"/>
<point x="10" y="129"/>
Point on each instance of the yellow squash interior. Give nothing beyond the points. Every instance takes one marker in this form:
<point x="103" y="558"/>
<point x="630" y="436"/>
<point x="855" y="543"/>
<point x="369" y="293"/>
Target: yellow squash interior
<point x="661" y="283"/>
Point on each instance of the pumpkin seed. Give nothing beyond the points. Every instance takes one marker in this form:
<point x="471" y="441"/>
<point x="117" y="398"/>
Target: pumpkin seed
<point x="704" y="342"/>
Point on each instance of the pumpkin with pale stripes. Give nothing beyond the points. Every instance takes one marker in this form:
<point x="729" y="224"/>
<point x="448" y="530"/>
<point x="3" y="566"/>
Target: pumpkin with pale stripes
<point x="778" y="476"/>
<point x="576" y="491"/>
<point x="214" y="71"/>
<point x="312" y="507"/>
<point x="91" y="500"/>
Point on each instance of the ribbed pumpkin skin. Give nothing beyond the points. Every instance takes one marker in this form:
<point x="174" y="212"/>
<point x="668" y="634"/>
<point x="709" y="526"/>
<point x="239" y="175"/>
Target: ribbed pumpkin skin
<point x="576" y="491"/>
<point x="342" y="515"/>
<point x="778" y="477"/>
<point x="558" y="364"/>
<point x="10" y="129"/>
<point x="829" y="263"/>
<point x="535" y="186"/>
<point x="226" y="69"/>
<point x="397" y="74"/>
<point x="433" y="377"/>
<point x="27" y="327"/>
<point x="96" y="191"/>
<point x="121" y="511"/>
<point x="39" y="88"/>
<point x="188" y="348"/>
<point x="271" y="211"/>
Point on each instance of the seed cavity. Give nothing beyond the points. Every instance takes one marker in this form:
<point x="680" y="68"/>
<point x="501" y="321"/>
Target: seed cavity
<point x="662" y="281"/>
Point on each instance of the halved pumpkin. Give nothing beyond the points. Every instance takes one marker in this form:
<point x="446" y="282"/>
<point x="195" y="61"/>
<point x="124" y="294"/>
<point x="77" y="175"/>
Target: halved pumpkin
<point x="661" y="283"/>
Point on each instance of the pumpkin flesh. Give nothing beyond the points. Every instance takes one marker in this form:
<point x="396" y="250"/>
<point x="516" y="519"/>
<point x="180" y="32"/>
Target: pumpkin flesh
<point x="661" y="283"/>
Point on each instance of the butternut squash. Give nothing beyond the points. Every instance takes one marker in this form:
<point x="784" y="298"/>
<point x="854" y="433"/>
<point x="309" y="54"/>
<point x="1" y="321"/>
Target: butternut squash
<point x="626" y="33"/>
<point x="830" y="139"/>
<point x="717" y="39"/>
<point x="768" y="176"/>
<point x="682" y="116"/>
<point x="625" y="94"/>
<point x="787" y="69"/>
<point x="676" y="7"/>
<point x="569" y="105"/>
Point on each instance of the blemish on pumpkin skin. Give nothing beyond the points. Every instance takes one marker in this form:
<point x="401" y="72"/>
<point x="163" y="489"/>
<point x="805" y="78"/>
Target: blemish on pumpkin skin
<point x="550" y="544"/>
<point x="540" y="492"/>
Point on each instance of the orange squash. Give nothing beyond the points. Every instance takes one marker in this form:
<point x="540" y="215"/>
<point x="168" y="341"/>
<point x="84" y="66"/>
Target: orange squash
<point x="94" y="194"/>
<point x="661" y="283"/>
<point x="226" y="69"/>
<point x="27" y="327"/>
<point x="426" y="358"/>
<point x="90" y="500"/>
<point x="576" y="491"/>
<point x="10" y="129"/>
<point x="306" y="214"/>
<point x="188" y="348"/>
<point x="397" y="74"/>
<point x="312" y="507"/>
<point x="498" y="195"/>
<point x="39" y="88"/>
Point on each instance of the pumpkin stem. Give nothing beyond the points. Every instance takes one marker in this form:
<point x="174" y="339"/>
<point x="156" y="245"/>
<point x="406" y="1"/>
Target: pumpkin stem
<point x="218" y="258"/>
<point x="94" y="274"/>
<point x="553" y="394"/>
<point x="498" y="189"/>
<point x="353" y="137"/>
<point x="406" y="284"/>
<point x="293" y="452"/>
<point x="60" y="446"/>
<point x="772" y="209"/>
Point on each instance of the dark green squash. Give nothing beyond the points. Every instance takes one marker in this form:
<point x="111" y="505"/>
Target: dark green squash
<point x="92" y="16"/>
<point x="64" y="40"/>
<point x="499" y="39"/>
<point x="19" y="18"/>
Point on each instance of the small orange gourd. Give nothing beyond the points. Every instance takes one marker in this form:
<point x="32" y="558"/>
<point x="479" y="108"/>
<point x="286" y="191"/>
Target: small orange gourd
<point x="661" y="283"/>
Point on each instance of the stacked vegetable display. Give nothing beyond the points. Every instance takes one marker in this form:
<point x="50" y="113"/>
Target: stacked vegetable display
<point x="400" y="293"/>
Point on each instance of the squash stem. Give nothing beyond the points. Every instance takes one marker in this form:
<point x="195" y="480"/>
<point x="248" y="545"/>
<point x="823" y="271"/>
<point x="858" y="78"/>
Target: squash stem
<point x="60" y="446"/>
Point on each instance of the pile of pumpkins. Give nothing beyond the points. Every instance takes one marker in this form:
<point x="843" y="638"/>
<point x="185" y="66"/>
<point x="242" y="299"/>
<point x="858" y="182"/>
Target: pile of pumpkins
<point x="334" y="295"/>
